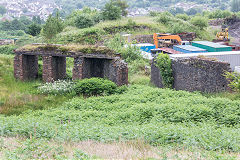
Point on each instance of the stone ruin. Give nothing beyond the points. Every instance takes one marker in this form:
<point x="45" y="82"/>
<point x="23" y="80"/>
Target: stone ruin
<point x="195" y="74"/>
<point x="89" y="61"/>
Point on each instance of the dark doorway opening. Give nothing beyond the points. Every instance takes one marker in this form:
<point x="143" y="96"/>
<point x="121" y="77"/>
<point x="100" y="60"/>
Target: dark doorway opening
<point x="96" y="67"/>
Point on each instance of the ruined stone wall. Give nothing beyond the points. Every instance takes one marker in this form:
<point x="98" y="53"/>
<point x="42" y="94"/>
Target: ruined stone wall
<point x="25" y="67"/>
<point x="195" y="74"/>
<point x="114" y="70"/>
<point x="54" y="68"/>
<point x="156" y="78"/>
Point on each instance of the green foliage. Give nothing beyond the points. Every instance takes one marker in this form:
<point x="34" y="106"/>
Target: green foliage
<point x="184" y="17"/>
<point x="78" y="18"/>
<point x="111" y="11"/>
<point x="128" y="52"/>
<point x="164" y="63"/>
<point x="234" y="79"/>
<point x="34" y="29"/>
<point x="122" y="4"/>
<point x="84" y="21"/>
<point x="164" y="17"/>
<point x="82" y="36"/>
<point x="160" y="116"/>
<point x="34" y="149"/>
<point x="95" y="86"/>
<point x="219" y="14"/>
<point x="53" y="26"/>
<point x="200" y="22"/>
<point x="7" y="49"/>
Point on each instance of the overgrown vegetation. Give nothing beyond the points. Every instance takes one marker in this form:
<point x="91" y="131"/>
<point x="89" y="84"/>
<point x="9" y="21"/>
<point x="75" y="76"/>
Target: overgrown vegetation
<point x="7" y="49"/>
<point x="234" y="80"/>
<point x="164" y="64"/>
<point x="96" y="87"/>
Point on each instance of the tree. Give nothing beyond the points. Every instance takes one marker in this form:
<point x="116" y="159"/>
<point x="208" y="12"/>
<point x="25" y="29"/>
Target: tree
<point x="37" y="20"/>
<point x="200" y="22"/>
<point x="84" y="21"/>
<point x="192" y="11"/>
<point x="53" y="26"/>
<point x="34" y="29"/>
<point x="17" y="25"/>
<point x="111" y="11"/>
<point x="3" y="10"/>
<point x="235" y="5"/>
<point x="123" y="5"/>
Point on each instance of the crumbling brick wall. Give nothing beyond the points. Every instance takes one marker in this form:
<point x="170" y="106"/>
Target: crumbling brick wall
<point x="195" y="74"/>
<point x="115" y="70"/>
<point x="54" y="68"/>
<point x="85" y="66"/>
<point x="25" y="67"/>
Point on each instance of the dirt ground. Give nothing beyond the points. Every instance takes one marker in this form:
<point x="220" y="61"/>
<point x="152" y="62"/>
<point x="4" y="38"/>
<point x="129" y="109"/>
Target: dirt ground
<point x="41" y="149"/>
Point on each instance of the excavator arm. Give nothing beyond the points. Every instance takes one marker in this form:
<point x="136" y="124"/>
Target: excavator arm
<point x="165" y="36"/>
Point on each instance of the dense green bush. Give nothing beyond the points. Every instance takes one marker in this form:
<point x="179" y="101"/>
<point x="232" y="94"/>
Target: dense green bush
<point x="200" y="22"/>
<point x="128" y="52"/>
<point x="234" y="79"/>
<point x="95" y="86"/>
<point x="219" y="14"/>
<point x="7" y="49"/>
<point x="84" y="21"/>
<point x="164" y="63"/>
<point x="184" y="17"/>
<point x="165" y="17"/>
<point x="111" y="11"/>
<point x="84" y="36"/>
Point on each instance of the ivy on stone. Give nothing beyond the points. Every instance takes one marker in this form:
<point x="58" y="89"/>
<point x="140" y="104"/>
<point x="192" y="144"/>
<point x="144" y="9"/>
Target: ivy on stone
<point x="164" y="64"/>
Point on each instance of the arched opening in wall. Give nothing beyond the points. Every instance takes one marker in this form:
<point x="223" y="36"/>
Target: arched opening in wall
<point x="96" y="67"/>
<point x="69" y="67"/>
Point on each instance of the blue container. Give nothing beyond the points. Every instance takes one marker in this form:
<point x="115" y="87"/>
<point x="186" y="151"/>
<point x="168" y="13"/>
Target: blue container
<point x="188" y="49"/>
<point x="146" y="47"/>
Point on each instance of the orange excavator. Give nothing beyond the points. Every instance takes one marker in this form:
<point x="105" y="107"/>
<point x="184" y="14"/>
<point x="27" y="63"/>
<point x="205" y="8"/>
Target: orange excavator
<point x="166" y="40"/>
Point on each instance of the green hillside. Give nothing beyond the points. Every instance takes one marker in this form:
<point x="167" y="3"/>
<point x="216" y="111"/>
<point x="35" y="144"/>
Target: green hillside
<point x="160" y="121"/>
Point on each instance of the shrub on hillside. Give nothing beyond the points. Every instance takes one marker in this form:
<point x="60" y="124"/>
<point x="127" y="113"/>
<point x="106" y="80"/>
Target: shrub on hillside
<point x="82" y="36"/>
<point x="165" y="17"/>
<point x="200" y="22"/>
<point x="7" y="49"/>
<point x="128" y="52"/>
<point x="184" y="17"/>
<point x="84" y="21"/>
<point x="96" y="86"/>
<point x="234" y="79"/>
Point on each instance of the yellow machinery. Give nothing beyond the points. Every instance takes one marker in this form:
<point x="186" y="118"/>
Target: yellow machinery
<point x="223" y="36"/>
<point x="166" y="40"/>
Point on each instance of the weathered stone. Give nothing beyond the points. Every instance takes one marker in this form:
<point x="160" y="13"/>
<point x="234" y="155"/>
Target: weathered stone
<point x="86" y="65"/>
<point x="195" y="74"/>
<point x="25" y="67"/>
<point x="115" y="70"/>
<point x="54" y="68"/>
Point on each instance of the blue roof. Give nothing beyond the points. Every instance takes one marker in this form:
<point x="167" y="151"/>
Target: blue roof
<point x="211" y="44"/>
<point x="190" y="48"/>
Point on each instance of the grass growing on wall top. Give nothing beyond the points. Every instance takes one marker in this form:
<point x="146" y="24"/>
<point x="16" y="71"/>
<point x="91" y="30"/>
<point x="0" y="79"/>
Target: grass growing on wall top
<point x="85" y="49"/>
